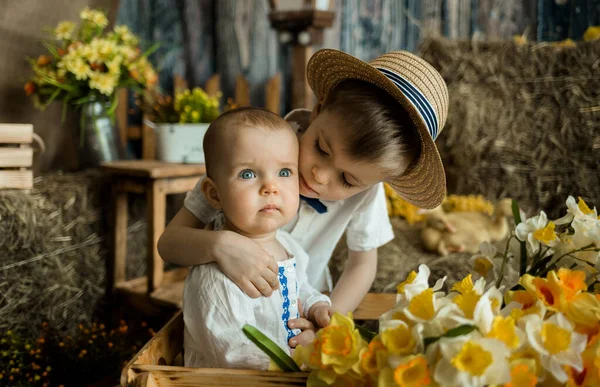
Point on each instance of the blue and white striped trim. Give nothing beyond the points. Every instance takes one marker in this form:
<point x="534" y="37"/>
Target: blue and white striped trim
<point x="418" y="100"/>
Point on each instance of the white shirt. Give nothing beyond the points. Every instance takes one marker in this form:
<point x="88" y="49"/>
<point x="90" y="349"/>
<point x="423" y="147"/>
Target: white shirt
<point x="215" y="309"/>
<point x="363" y="217"/>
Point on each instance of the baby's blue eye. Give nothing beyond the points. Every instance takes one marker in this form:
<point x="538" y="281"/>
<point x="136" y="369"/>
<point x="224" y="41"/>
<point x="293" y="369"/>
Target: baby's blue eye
<point x="247" y="174"/>
<point x="285" y="173"/>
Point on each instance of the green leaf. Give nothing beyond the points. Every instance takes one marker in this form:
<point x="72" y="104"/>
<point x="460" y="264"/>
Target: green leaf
<point x="365" y="333"/>
<point x="516" y="212"/>
<point x="455" y="332"/>
<point x="282" y="359"/>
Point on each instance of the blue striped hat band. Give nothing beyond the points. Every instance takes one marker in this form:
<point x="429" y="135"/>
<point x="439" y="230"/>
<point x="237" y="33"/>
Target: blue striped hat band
<point x="417" y="99"/>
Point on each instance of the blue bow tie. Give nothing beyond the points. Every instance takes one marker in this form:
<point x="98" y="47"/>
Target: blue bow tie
<point x="315" y="203"/>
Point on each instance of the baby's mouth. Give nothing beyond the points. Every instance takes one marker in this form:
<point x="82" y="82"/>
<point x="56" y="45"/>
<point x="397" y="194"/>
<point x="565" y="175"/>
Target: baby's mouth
<point x="269" y="208"/>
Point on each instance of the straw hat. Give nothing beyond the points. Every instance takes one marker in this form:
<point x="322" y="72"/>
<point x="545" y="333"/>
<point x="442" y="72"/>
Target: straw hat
<point x="418" y="88"/>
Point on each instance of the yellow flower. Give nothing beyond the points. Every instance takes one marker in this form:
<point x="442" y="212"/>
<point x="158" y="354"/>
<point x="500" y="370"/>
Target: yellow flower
<point x="572" y="282"/>
<point x="473" y="359"/>
<point x="374" y="357"/>
<point x="413" y="373"/>
<point x="592" y="33"/>
<point x="126" y="36"/>
<point x="465" y="285"/>
<point x="97" y="18"/>
<point x="105" y="83"/>
<point x="422" y="305"/>
<point x="64" y="30"/>
<point x="503" y="329"/>
<point x="482" y="265"/>
<point x="548" y="290"/>
<point x="547" y="234"/>
<point x="467" y="302"/>
<point x="409" y="280"/>
<point x="522" y="375"/>
<point x="114" y="66"/>
<point x="399" y="340"/>
<point x="78" y="67"/>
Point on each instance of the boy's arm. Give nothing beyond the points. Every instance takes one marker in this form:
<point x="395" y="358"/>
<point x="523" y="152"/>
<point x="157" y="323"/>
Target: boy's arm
<point x="356" y="280"/>
<point x="185" y="242"/>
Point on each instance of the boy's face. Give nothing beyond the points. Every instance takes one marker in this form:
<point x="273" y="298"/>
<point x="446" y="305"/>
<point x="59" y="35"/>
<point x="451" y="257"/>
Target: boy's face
<point x="326" y="170"/>
<point x="258" y="180"/>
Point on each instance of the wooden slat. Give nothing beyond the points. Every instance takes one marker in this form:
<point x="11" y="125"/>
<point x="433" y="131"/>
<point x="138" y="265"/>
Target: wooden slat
<point x="302" y="96"/>
<point x="148" y="143"/>
<point x="120" y="237"/>
<point x="156" y="215"/>
<point x="153" y="168"/>
<point x="134" y="132"/>
<point x="213" y="85"/>
<point x="16" y="157"/>
<point x="16" y="179"/>
<point x="179" y="84"/>
<point x="242" y="91"/>
<point x="272" y="93"/>
<point x="217" y="377"/>
<point x="180" y="184"/>
<point x="374" y="305"/>
<point x="16" y="133"/>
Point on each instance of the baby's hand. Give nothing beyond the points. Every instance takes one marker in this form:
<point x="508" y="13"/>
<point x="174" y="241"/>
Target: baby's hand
<point x="306" y="336"/>
<point x="320" y="314"/>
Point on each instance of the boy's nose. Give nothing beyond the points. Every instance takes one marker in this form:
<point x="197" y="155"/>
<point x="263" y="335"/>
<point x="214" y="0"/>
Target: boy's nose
<point x="268" y="189"/>
<point x="321" y="175"/>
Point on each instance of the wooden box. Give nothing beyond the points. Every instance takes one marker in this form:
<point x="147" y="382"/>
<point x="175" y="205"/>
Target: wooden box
<point x="16" y="156"/>
<point x="160" y="361"/>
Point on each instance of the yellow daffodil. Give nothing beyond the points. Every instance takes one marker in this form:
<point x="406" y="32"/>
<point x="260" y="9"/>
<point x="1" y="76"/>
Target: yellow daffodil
<point x="522" y="374"/>
<point x="548" y="290"/>
<point x="64" y="30"/>
<point x="409" y="280"/>
<point x="374" y="357"/>
<point x="398" y="338"/>
<point x="412" y="372"/>
<point x="556" y="343"/>
<point x="472" y="361"/>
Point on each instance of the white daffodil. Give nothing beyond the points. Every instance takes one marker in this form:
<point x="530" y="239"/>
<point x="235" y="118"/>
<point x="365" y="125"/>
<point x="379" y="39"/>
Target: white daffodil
<point x="495" y="326"/>
<point x="579" y="210"/>
<point x="557" y="344"/>
<point x="536" y="231"/>
<point x="472" y="361"/>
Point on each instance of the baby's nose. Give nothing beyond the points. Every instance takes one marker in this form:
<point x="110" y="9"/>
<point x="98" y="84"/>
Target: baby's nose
<point x="268" y="189"/>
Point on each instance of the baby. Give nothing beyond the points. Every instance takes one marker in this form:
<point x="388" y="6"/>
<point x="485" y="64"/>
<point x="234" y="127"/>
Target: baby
<point x="252" y="178"/>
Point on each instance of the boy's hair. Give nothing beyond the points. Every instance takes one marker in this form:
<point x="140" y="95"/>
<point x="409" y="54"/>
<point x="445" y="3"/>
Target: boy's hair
<point x="237" y="119"/>
<point x="378" y="128"/>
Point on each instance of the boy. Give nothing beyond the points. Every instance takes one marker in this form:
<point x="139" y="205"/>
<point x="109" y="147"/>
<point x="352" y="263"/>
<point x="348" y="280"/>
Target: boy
<point x="252" y="179"/>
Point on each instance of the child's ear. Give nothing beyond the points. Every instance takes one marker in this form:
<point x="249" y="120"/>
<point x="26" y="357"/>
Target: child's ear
<point x="210" y="191"/>
<point x="315" y="112"/>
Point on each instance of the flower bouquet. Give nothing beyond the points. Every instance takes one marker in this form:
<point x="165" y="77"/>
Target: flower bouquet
<point x="86" y="63"/>
<point x="542" y="330"/>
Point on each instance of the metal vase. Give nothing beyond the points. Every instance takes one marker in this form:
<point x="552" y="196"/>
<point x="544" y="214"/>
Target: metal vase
<point x="100" y="140"/>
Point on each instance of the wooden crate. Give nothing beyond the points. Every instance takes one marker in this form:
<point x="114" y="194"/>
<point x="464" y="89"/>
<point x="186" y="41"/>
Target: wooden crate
<point x="16" y="156"/>
<point x="160" y="361"/>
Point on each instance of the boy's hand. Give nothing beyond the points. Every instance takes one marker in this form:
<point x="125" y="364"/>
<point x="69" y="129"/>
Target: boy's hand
<point x="320" y="314"/>
<point x="307" y="327"/>
<point x="247" y="264"/>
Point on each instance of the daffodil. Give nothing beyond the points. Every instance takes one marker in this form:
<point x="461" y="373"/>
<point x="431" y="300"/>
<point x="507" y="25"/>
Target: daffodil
<point x="522" y="374"/>
<point x="471" y="360"/>
<point x="373" y="358"/>
<point x="536" y="231"/>
<point x="548" y="290"/>
<point x="577" y="210"/>
<point x="412" y="371"/>
<point x="398" y="338"/>
<point x="556" y="343"/>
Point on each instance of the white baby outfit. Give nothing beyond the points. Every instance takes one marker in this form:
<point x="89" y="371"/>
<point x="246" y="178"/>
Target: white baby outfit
<point x="215" y="309"/>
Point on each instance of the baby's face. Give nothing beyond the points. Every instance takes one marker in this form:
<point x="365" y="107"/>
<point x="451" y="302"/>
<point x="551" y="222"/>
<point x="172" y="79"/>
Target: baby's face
<point x="327" y="171"/>
<point x="258" y="181"/>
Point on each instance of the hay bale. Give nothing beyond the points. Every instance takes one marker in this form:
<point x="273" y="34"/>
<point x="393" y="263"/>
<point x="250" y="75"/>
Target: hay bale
<point x="53" y="246"/>
<point x="523" y="121"/>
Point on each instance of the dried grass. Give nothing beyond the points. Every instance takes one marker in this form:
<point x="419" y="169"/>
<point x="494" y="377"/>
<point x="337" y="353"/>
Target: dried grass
<point x="523" y="121"/>
<point x="53" y="247"/>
